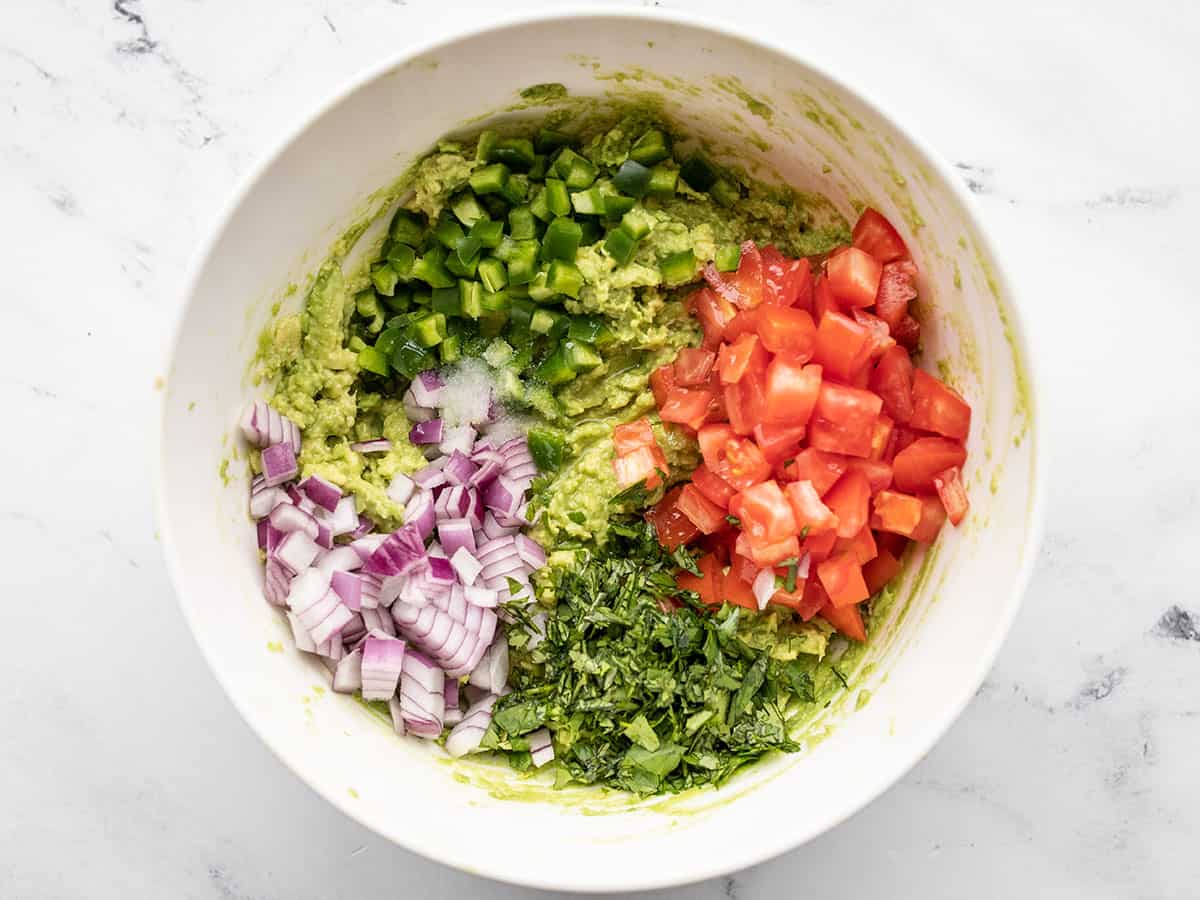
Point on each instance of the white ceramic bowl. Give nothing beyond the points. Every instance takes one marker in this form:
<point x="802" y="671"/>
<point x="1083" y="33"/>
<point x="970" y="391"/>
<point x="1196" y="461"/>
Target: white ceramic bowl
<point x="817" y="134"/>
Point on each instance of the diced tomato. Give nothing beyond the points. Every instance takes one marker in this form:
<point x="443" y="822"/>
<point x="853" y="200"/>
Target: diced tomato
<point x="662" y="380"/>
<point x="742" y="568"/>
<point x="897" y="287"/>
<point x="737" y="592"/>
<point x="670" y="524"/>
<point x="952" y="494"/>
<point x="876" y="235"/>
<point x="745" y="354"/>
<point x="814" y="598"/>
<point x="765" y="513"/>
<point x="908" y="333"/>
<point x="744" y="464"/>
<point x="842" y="346"/>
<point x="880" y="335"/>
<point x="700" y="511"/>
<point x="712" y="440"/>
<point x="821" y="468"/>
<point x="791" y="599"/>
<point x="862" y="546"/>
<point x="902" y="436"/>
<point x="916" y="465"/>
<point x="786" y="282"/>
<point x="878" y="472"/>
<point x="844" y="420"/>
<point x="809" y="510"/>
<point x="850" y="500"/>
<point x="633" y="436"/>
<point x="853" y="277"/>
<point x="745" y="402"/>
<point x="846" y="619"/>
<point x="787" y="330"/>
<point x="686" y="406"/>
<point x="743" y="288"/>
<point x="790" y="391"/>
<point x="639" y="465"/>
<point x="893" y="543"/>
<point x="841" y="576"/>
<point x="693" y="365"/>
<point x="819" y="546"/>
<point x="896" y="512"/>
<point x="714" y="313"/>
<point x="933" y="516"/>
<point x="745" y="322"/>
<point x="892" y="380"/>
<point x="778" y="442"/>
<point x="880" y="570"/>
<point x="938" y="408"/>
<point x="708" y="584"/>
<point x="763" y="555"/>
<point x="712" y="486"/>
<point x="823" y="299"/>
<point x="881" y="436"/>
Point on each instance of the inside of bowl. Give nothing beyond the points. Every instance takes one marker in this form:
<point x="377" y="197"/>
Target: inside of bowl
<point x="752" y="107"/>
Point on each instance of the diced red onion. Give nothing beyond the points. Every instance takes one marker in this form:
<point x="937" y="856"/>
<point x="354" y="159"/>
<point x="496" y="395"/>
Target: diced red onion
<point x="364" y="527"/>
<point x="347" y="677"/>
<point x="332" y="649"/>
<point x="526" y="472"/>
<point x="460" y="438"/>
<point x="377" y="620"/>
<point x="366" y="545"/>
<point x="475" y="510"/>
<point x="369" y="599"/>
<point x="324" y="536"/>
<point x="763" y="587"/>
<point x="466" y="736"/>
<point x="481" y="596"/>
<point x="455" y="534"/>
<point x="502" y="496"/>
<point x="401" y="488"/>
<point x="489" y="467"/>
<point x="453" y="714"/>
<point x="459" y="469"/>
<point x="413" y="410"/>
<point x="382" y="660"/>
<point x="262" y="425"/>
<point x="340" y="559"/>
<point x="440" y="570"/>
<point x="466" y="566"/>
<point x="452" y="503"/>
<point x="379" y="445"/>
<point x="803" y="566"/>
<point x="423" y="433"/>
<point x="276" y="583"/>
<point x="530" y="551"/>
<point x="344" y="519"/>
<point x="401" y="552"/>
<point x="494" y="529"/>
<point x="348" y="587"/>
<point x="397" y="716"/>
<point x="300" y="635"/>
<point x="541" y="748"/>
<point x="265" y="500"/>
<point x="456" y="604"/>
<point x="297" y="551"/>
<point x="420" y="514"/>
<point x="321" y="492"/>
<point x="491" y="673"/>
<point x="431" y="476"/>
<point x="428" y="389"/>
<point x="354" y="630"/>
<point x="422" y="700"/>
<point x="279" y="464"/>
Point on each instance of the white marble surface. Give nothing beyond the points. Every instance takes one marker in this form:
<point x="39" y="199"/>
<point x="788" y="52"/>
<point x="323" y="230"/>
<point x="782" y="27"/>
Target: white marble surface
<point x="124" y="772"/>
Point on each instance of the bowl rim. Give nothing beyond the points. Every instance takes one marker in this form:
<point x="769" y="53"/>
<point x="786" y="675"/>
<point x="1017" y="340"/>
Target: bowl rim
<point x="772" y="843"/>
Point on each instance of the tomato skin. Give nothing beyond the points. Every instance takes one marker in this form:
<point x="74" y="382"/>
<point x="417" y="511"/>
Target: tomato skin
<point x="897" y="287"/>
<point x="778" y="442"/>
<point x="844" y="420"/>
<point x="877" y="472"/>
<point x="813" y="598"/>
<point x="938" y="408"/>
<point x="786" y="282"/>
<point x="763" y="555"/>
<point x="850" y="500"/>
<point x="892" y="380"/>
<point x="745" y="402"/>
<point x="933" y="517"/>
<point x="693" y="366"/>
<point x="662" y="380"/>
<point x="820" y="546"/>
<point x="786" y="330"/>
<point x="862" y="546"/>
<point x="841" y="576"/>
<point x="743" y="288"/>
<point x="821" y="468"/>
<point x="854" y="277"/>
<point x="908" y="333"/>
<point x="714" y="313"/>
<point x="765" y="513"/>
<point x="915" y="466"/>
<point x="687" y="406"/>
<point x="880" y="339"/>
<point x="790" y="392"/>
<point x="670" y="524"/>
<point x="842" y="347"/>
<point x="700" y="511"/>
<point x="823" y="299"/>
<point x="808" y="509"/>
<point x="952" y="494"/>
<point x="846" y="619"/>
<point x="709" y="584"/>
<point x="880" y="570"/>
<point x="896" y="512"/>
<point x="742" y="568"/>
<point x="737" y="592"/>
<point x="874" y="234"/>
<point x="712" y="486"/>
<point x="745" y="354"/>
<point x="632" y="436"/>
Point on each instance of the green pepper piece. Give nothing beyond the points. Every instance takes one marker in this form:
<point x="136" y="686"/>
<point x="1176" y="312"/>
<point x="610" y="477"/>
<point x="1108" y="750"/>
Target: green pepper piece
<point x="591" y="330"/>
<point x="588" y="203"/>
<point x="564" y="278"/>
<point x="407" y="227"/>
<point x="546" y="447"/>
<point x="728" y="257"/>
<point x="366" y="304"/>
<point x="620" y="246"/>
<point x="548" y="139"/>
<point x="558" y="199"/>
<point x="554" y="370"/>
<point x="577" y="171"/>
<point x="455" y="266"/>
<point x="546" y="321"/>
<point x="539" y="206"/>
<point x="561" y="240"/>
<point x="616" y="206"/>
<point x="388" y="339"/>
<point x="401" y="258"/>
<point x="589" y="231"/>
<point x="496" y="303"/>
<point x="538" y="291"/>
<point x="493" y="274"/>
<point x="652" y="147"/>
<point x="491" y="179"/>
<point x="516" y="153"/>
<point x="678" y="268"/>
<point x="450" y="350"/>
<point x="400" y="301"/>
<point x="522" y="265"/>
<point x="470" y="296"/>
<point x="355" y="344"/>
<point x="420" y="297"/>
<point x="429" y="330"/>
<point x="579" y="356"/>
<point x="384" y="277"/>
<point x="447" y="301"/>
<point x="520" y="312"/>
<point x="520" y="222"/>
<point x="663" y="182"/>
<point x="491" y="326"/>
<point x="698" y="172"/>
<point x="447" y="232"/>
<point x="632" y="178"/>
<point x="637" y="223"/>
<point x="409" y="358"/>
<point x="537" y="172"/>
<point x="725" y="192"/>
<point x="489" y="232"/>
<point x="466" y="208"/>
<point x="372" y="360"/>
<point x="483" y="149"/>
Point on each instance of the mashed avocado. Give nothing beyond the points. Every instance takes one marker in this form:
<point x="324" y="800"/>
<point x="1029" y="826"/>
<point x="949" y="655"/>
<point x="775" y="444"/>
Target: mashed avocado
<point x="422" y="300"/>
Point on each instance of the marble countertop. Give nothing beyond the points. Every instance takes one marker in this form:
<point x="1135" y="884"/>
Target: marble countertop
<point x="124" y="770"/>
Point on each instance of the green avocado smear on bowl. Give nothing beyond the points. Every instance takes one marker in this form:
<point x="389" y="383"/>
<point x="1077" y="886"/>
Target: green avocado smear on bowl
<point x="558" y="262"/>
